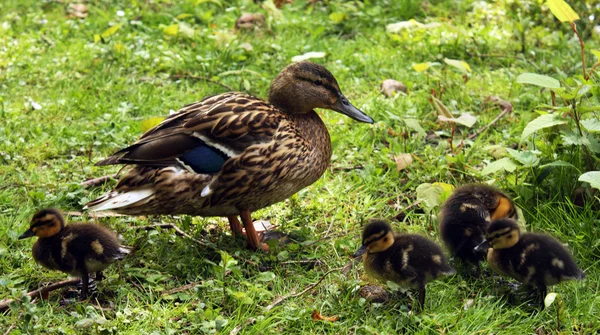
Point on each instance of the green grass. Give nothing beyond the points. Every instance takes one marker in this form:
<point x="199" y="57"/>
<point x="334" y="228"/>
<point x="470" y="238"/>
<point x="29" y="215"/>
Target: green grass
<point x="95" y="95"/>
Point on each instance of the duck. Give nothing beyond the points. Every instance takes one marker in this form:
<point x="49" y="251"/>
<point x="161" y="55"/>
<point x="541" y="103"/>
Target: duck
<point x="77" y="249"/>
<point x="465" y="216"/>
<point x="409" y="260"/>
<point x="231" y="154"/>
<point x="534" y="259"/>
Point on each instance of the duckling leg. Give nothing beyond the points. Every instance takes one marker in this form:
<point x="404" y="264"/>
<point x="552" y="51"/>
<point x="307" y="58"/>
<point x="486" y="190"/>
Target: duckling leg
<point x="84" y="285"/>
<point x="99" y="276"/>
<point x="251" y="235"/>
<point x="234" y="224"/>
<point x="421" y="296"/>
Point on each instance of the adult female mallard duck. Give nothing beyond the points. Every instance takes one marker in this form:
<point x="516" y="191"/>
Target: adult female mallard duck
<point x="232" y="154"/>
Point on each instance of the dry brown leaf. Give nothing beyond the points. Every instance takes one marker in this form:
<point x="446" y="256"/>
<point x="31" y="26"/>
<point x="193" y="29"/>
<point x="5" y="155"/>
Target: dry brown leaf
<point x="249" y="21"/>
<point x="403" y="161"/>
<point x="77" y="10"/>
<point x="316" y="316"/>
<point x="390" y="86"/>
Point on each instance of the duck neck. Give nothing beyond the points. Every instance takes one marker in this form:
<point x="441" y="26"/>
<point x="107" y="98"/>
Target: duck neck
<point x="312" y="129"/>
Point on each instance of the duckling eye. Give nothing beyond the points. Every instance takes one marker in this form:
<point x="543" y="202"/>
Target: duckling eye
<point x="318" y="83"/>
<point x="385" y="239"/>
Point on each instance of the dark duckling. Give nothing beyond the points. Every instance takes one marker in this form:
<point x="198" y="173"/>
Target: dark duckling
<point x="465" y="216"/>
<point x="536" y="260"/>
<point x="77" y="249"/>
<point x="408" y="260"/>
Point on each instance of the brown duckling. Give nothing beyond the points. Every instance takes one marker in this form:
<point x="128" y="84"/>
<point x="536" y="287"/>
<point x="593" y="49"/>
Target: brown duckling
<point x="408" y="260"/>
<point x="77" y="249"/>
<point x="467" y="213"/>
<point x="536" y="260"/>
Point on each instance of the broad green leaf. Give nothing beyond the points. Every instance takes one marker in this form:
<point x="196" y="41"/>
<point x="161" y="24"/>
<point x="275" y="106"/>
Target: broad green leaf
<point x="429" y="195"/>
<point x="591" y="177"/>
<point x="562" y="10"/>
<point x="441" y="108"/>
<point x="591" y="125"/>
<point x="338" y="17"/>
<point x="543" y="121"/>
<point x="420" y="67"/>
<point x="266" y="276"/>
<point x="527" y="158"/>
<point x="183" y="16"/>
<point x="538" y="80"/>
<point x="596" y="53"/>
<point x="151" y="123"/>
<point x="505" y="164"/>
<point x="496" y="151"/>
<point x="559" y="164"/>
<point x="308" y="55"/>
<point x="570" y="137"/>
<point x="460" y="65"/>
<point x="171" y="30"/>
<point x="549" y="299"/>
<point x="111" y="31"/>
<point x="446" y="190"/>
<point x="464" y="119"/>
<point x="414" y="125"/>
<point x="593" y="143"/>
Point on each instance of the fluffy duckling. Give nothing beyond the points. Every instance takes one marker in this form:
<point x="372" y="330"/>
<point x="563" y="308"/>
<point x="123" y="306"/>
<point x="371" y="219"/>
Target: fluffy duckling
<point x="533" y="259"/>
<point x="77" y="249"/>
<point x="408" y="260"/>
<point x="466" y="215"/>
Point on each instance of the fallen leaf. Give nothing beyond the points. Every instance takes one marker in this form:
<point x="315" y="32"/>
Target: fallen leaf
<point x="440" y="108"/>
<point x="171" y="30"/>
<point x="249" y="21"/>
<point x="308" y="55"/>
<point x="420" y="67"/>
<point x="460" y="65"/>
<point x="403" y="161"/>
<point x="468" y="304"/>
<point x="549" y="299"/>
<point x="390" y="86"/>
<point x="77" y="10"/>
<point x="464" y="119"/>
<point x="151" y="123"/>
<point x="316" y="316"/>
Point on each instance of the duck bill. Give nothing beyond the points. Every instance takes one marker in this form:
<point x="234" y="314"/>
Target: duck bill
<point x="28" y="233"/>
<point x="360" y="251"/>
<point x="482" y="247"/>
<point x="342" y="105"/>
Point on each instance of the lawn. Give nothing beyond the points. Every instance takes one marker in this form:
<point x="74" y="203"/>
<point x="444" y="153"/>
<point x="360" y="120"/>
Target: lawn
<point x="77" y="85"/>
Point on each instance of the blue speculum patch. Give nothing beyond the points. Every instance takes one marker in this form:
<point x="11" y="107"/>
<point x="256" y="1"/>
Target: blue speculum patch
<point x="204" y="159"/>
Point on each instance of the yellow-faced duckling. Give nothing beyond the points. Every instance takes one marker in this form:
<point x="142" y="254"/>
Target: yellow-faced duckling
<point x="408" y="260"/>
<point x="536" y="260"/>
<point x="77" y="249"/>
<point x="466" y="215"/>
<point x="232" y="154"/>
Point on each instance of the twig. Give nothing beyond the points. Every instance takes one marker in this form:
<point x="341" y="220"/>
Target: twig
<point x="303" y="261"/>
<point x="294" y="294"/>
<point x="96" y="181"/>
<point x="11" y="327"/>
<point x="185" y="76"/>
<point x="42" y="291"/>
<point x="180" y="232"/>
<point x="585" y="75"/>
<point x="180" y="289"/>
<point x="506" y="109"/>
<point x="346" y="168"/>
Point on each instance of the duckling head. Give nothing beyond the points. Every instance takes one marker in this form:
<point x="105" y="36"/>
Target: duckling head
<point x="501" y="234"/>
<point x="45" y="223"/>
<point x="377" y="237"/>
<point x="504" y="209"/>
<point x="300" y="87"/>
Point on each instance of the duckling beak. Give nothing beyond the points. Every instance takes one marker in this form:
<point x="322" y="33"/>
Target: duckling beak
<point x="482" y="247"/>
<point x="360" y="251"/>
<point x="28" y="233"/>
<point x="342" y="105"/>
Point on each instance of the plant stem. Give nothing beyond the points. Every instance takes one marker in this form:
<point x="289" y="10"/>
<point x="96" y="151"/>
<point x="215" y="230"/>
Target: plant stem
<point x="585" y="75"/>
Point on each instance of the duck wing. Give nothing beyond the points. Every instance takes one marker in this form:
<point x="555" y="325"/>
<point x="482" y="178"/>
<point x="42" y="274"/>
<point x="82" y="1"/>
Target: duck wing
<point x="202" y="136"/>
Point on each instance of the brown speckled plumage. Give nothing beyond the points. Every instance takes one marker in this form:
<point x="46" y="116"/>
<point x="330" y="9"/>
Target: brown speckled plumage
<point x="271" y="150"/>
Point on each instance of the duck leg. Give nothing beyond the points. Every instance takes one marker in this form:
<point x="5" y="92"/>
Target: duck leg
<point x="234" y="224"/>
<point x="251" y="235"/>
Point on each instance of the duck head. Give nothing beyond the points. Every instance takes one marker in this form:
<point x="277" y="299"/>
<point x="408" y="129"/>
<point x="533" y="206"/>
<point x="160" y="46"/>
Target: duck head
<point x="303" y="86"/>
<point x="377" y="237"/>
<point x="501" y="234"/>
<point x="45" y="223"/>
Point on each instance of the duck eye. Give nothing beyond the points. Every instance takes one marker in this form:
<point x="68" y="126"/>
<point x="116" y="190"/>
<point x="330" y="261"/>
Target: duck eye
<point x="318" y="83"/>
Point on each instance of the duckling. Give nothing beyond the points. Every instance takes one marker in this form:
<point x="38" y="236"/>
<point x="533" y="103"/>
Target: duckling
<point x="467" y="213"/>
<point x="77" y="249"/>
<point x="408" y="260"/>
<point x="533" y="259"/>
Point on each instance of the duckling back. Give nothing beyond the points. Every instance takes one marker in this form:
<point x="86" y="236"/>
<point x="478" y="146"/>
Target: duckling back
<point x="412" y="261"/>
<point x="465" y="217"/>
<point x="79" y="248"/>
